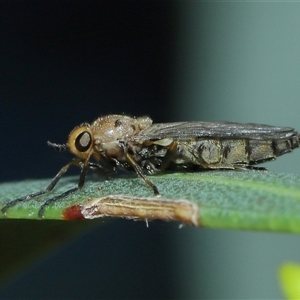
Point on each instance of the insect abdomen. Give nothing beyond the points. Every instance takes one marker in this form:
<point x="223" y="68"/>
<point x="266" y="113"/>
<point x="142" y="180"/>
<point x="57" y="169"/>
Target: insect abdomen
<point x="261" y="151"/>
<point x="253" y="151"/>
<point x="226" y="153"/>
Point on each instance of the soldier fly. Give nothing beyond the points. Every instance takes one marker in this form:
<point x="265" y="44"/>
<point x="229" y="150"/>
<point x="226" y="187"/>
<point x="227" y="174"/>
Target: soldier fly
<point x="122" y="142"/>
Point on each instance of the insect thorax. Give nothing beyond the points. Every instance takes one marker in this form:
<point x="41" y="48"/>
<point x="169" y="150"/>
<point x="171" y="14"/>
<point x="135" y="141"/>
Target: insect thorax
<point x="118" y="127"/>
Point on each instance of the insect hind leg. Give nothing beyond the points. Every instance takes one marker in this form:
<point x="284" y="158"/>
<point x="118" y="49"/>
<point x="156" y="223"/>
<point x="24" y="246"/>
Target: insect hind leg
<point x="249" y="167"/>
<point x="256" y="168"/>
<point x="169" y="156"/>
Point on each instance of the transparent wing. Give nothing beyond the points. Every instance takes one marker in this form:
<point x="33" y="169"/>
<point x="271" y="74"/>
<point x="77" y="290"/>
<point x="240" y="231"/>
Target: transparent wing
<point x="182" y="130"/>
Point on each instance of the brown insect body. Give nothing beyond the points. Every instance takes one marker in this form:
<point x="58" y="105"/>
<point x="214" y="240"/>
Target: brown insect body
<point x="209" y="145"/>
<point x="119" y="141"/>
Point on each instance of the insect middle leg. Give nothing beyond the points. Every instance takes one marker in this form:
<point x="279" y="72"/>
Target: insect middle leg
<point x="140" y="173"/>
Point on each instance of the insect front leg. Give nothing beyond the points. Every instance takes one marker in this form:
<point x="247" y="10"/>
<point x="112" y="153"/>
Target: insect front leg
<point x="49" y="188"/>
<point x="84" y="168"/>
<point x="52" y="184"/>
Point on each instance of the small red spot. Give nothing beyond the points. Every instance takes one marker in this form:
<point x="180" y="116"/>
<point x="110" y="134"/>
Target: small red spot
<point x="73" y="213"/>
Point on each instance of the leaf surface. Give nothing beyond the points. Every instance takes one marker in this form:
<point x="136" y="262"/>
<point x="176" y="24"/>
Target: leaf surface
<point x="253" y="200"/>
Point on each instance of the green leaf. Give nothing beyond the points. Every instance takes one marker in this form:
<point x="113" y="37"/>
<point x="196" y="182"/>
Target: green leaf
<point x="289" y="276"/>
<point x="253" y="200"/>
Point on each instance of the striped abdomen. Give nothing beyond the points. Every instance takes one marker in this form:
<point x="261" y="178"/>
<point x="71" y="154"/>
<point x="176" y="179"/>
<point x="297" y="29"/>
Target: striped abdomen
<point x="225" y="153"/>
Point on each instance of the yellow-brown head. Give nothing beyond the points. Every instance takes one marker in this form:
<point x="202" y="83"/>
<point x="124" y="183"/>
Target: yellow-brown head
<point x="80" y="141"/>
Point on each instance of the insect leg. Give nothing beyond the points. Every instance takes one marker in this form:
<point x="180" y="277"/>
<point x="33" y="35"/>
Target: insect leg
<point x="21" y="199"/>
<point x="169" y="156"/>
<point x="84" y="170"/>
<point x="52" y="184"/>
<point x="139" y="171"/>
<point x="250" y="167"/>
<point x="51" y="200"/>
<point x="103" y="166"/>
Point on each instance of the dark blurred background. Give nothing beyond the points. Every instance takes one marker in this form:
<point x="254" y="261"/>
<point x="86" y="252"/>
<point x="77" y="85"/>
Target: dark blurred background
<point x="66" y="62"/>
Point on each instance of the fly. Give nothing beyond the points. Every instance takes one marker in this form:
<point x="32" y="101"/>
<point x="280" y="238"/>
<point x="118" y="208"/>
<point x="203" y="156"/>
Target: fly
<point x="121" y="142"/>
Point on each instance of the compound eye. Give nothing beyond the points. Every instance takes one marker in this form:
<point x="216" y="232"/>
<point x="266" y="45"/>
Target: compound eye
<point x="83" y="141"/>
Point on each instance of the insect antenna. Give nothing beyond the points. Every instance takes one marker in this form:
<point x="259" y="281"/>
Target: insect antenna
<point x="57" y="147"/>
